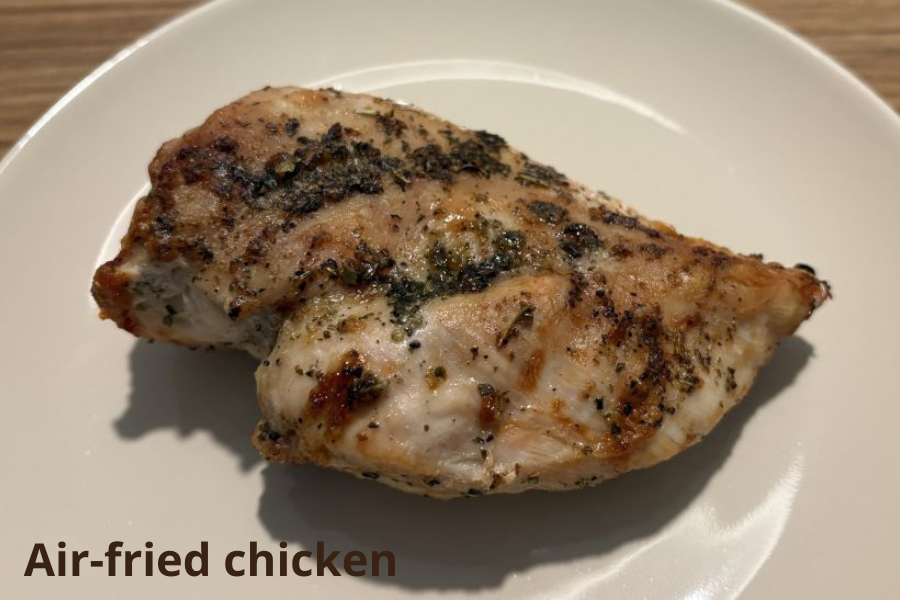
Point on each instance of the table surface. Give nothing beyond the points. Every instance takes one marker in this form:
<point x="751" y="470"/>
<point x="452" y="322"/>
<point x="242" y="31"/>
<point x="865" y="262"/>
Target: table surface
<point x="47" y="46"/>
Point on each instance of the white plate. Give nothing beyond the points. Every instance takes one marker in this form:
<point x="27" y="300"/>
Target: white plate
<point x="696" y="112"/>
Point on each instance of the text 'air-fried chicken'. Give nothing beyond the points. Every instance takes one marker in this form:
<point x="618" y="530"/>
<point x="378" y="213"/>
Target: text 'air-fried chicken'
<point x="434" y="309"/>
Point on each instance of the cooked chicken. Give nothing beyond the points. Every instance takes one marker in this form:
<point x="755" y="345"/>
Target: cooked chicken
<point x="434" y="309"/>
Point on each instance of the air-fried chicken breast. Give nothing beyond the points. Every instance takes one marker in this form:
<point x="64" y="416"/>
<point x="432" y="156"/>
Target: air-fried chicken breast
<point x="434" y="309"/>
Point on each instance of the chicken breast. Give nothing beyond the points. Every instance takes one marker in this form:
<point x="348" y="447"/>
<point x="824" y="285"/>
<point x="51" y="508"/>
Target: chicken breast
<point x="434" y="309"/>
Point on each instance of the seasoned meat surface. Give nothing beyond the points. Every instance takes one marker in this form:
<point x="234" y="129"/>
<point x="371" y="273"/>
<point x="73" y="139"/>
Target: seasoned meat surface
<point x="432" y="308"/>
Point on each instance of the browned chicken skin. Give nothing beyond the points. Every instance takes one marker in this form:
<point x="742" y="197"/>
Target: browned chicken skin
<point x="435" y="310"/>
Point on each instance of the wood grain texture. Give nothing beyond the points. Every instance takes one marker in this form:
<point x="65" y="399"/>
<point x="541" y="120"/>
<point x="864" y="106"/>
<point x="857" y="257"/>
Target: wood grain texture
<point x="863" y="35"/>
<point x="47" y="46"/>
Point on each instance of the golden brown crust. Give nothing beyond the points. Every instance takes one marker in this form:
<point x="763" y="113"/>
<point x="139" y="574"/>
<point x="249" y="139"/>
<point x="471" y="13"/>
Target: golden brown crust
<point x="229" y="195"/>
<point x="110" y="289"/>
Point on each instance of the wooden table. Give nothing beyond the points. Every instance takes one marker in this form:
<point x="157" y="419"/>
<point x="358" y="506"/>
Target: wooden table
<point x="46" y="46"/>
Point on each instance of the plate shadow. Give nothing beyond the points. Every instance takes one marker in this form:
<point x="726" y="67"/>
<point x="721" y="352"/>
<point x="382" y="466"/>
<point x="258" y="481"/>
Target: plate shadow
<point x="193" y="390"/>
<point x="464" y="544"/>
